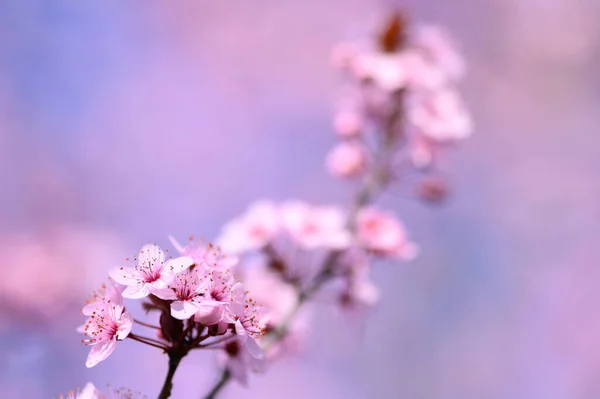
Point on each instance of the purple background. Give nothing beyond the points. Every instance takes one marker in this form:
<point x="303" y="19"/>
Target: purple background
<point x="123" y="122"/>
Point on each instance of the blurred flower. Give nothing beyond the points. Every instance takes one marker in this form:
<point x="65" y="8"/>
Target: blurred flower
<point x="439" y="49"/>
<point x="347" y="159"/>
<point x="150" y="273"/>
<point x="238" y="361"/>
<point x="252" y="230"/>
<point x="441" y="116"/>
<point x="49" y="262"/>
<point x="91" y="392"/>
<point x="348" y="124"/>
<point x="315" y="226"/>
<point x="383" y="234"/>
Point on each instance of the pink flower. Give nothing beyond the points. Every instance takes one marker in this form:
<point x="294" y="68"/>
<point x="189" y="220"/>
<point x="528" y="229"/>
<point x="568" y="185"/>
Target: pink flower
<point x="388" y="71"/>
<point x="91" y="392"/>
<point x="217" y="296"/>
<point x="186" y="290"/>
<point x="208" y="255"/>
<point x="238" y="361"/>
<point x="422" y="151"/>
<point x="88" y="392"/>
<point x="244" y="314"/>
<point x="150" y="273"/>
<point x="252" y="230"/>
<point x="441" y="116"/>
<point x="347" y="159"/>
<point x="278" y="299"/>
<point x="315" y="226"/>
<point x="383" y="234"/>
<point x="348" y="124"/>
<point x="108" y="323"/>
<point x="439" y="49"/>
<point x="360" y="292"/>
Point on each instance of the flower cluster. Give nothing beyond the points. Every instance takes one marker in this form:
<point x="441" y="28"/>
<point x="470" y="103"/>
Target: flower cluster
<point x="91" y="392"/>
<point x="286" y="247"/>
<point x="404" y="107"/>
<point x="402" y="90"/>
<point x="197" y="295"/>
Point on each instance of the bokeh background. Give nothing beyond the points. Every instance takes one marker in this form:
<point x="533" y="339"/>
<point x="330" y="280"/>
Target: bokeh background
<point x="123" y="122"/>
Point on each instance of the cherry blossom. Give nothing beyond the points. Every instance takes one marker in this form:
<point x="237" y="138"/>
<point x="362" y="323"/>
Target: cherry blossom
<point x="247" y="320"/>
<point x="206" y="255"/>
<point x="383" y="234"/>
<point x="152" y="272"/>
<point x="108" y="323"/>
<point x="91" y="392"/>
<point x="439" y="49"/>
<point x="252" y="230"/>
<point x="348" y="124"/>
<point x="347" y="159"/>
<point x="441" y="116"/>
<point x="186" y="290"/>
<point x="312" y="227"/>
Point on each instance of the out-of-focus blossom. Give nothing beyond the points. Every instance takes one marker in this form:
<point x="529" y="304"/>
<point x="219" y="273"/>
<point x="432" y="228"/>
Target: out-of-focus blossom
<point x="347" y="159"/>
<point x="152" y="272"/>
<point x="88" y="392"/>
<point x="252" y="230"/>
<point x="278" y="299"/>
<point x="389" y="72"/>
<point x="239" y="361"/>
<point x="108" y="323"/>
<point x="439" y="49"/>
<point x="208" y="255"/>
<point x="49" y="263"/>
<point x="441" y="116"/>
<point x="91" y="392"/>
<point x="348" y="124"/>
<point x="315" y="226"/>
<point x="383" y="234"/>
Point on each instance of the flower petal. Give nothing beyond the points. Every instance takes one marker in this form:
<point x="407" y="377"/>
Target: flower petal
<point x="125" y="275"/>
<point x="209" y="312"/>
<point x="178" y="265"/>
<point x="165" y="293"/>
<point x="125" y="326"/>
<point x="183" y="310"/>
<point x="151" y="255"/>
<point x="253" y="347"/>
<point x="99" y="352"/>
<point x="136" y="291"/>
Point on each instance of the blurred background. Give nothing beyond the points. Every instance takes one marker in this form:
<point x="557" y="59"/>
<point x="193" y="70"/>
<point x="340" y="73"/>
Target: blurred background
<point x="123" y="122"/>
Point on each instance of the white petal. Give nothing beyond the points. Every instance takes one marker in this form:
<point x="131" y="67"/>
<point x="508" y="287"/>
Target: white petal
<point x="136" y="291"/>
<point x="183" y="310"/>
<point x="253" y="347"/>
<point x="151" y="254"/>
<point x="125" y="326"/>
<point x="125" y="275"/>
<point x="209" y="312"/>
<point x="178" y="265"/>
<point x="99" y="352"/>
<point x="165" y="293"/>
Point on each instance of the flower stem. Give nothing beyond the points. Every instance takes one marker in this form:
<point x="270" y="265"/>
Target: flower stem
<point x="174" y="360"/>
<point x="147" y="341"/>
<point x="225" y="377"/>
<point x="372" y="186"/>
